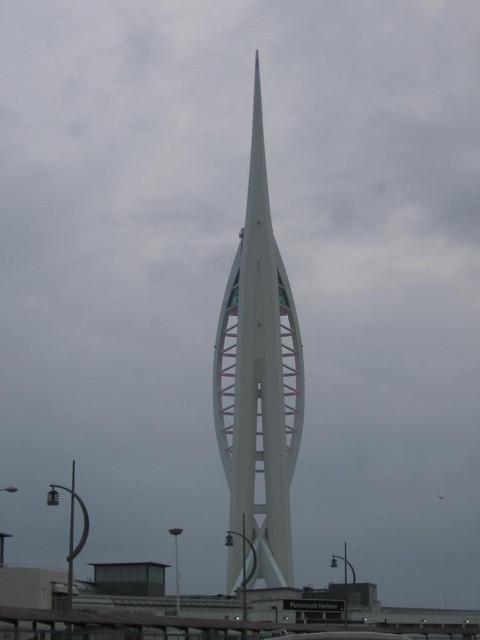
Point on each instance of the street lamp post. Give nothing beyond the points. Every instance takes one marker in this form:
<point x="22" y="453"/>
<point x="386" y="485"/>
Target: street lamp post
<point x="333" y="563"/>
<point x="245" y="579"/>
<point x="176" y="532"/>
<point x="53" y="501"/>
<point x="5" y="535"/>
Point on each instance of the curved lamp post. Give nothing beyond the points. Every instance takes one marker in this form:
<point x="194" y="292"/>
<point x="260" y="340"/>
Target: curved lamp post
<point x="176" y="532"/>
<point x="333" y="563"/>
<point x="246" y="579"/>
<point x="53" y="501"/>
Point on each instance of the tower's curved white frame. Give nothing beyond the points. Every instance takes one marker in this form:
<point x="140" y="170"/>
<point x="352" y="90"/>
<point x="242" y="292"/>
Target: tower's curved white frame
<point x="258" y="385"/>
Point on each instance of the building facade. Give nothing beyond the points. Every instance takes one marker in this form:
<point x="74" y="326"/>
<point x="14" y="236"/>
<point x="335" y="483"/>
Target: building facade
<point x="34" y="587"/>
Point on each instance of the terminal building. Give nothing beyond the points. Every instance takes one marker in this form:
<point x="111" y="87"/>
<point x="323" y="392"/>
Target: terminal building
<point x="139" y="588"/>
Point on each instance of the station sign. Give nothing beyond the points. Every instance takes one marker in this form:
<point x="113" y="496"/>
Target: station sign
<point x="307" y="604"/>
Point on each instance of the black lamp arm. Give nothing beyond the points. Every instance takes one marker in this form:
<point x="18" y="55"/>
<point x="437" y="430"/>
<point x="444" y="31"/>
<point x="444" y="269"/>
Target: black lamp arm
<point x="254" y="554"/>
<point x="86" y="521"/>
<point x="349" y="564"/>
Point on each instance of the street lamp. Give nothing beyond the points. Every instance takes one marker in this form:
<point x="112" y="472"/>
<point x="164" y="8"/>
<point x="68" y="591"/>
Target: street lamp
<point x="245" y="579"/>
<point x="333" y="563"/>
<point x="53" y="501"/>
<point x="176" y="532"/>
<point x="5" y="535"/>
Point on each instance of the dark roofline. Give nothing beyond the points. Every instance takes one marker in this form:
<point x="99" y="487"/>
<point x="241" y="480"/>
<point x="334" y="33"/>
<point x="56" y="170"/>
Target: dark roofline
<point x="15" y="615"/>
<point x="128" y="564"/>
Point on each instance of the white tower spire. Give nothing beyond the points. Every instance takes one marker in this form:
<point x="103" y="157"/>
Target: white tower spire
<point x="259" y="384"/>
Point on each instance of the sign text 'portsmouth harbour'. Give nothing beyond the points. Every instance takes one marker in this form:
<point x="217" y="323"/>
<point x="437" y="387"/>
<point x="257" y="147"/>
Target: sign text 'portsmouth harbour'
<point x="306" y="604"/>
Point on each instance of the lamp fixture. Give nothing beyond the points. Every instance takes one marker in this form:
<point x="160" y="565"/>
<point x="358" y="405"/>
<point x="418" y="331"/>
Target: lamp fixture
<point x="53" y="498"/>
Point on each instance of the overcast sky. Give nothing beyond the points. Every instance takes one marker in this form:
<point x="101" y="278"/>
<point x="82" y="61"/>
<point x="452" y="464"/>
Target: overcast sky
<point x="124" y="147"/>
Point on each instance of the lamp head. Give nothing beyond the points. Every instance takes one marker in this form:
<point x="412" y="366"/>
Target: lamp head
<point x="229" y="539"/>
<point x="175" y="532"/>
<point x="333" y="563"/>
<point x="9" y="489"/>
<point x="52" y="498"/>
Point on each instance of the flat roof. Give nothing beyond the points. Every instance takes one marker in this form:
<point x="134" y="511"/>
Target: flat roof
<point x="128" y="564"/>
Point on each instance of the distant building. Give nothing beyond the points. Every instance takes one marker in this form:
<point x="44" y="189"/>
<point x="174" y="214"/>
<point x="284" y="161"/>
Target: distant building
<point x="125" y="587"/>
<point x="41" y="588"/>
<point x="358" y="595"/>
<point x="33" y="587"/>
<point x="363" y="593"/>
<point x="131" y="578"/>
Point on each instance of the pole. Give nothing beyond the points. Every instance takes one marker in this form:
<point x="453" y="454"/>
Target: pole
<point x="354" y="577"/>
<point x="70" y="553"/>
<point x="5" y="535"/>
<point x="346" y="583"/>
<point x="244" y="582"/>
<point x="175" y="532"/>
<point x="52" y="500"/>
<point x="177" y="575"/>
<point x="245" y="579"/>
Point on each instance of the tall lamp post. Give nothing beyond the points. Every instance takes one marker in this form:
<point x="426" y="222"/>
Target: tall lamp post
<point x="245" y="579"/>
<point x="53" y="501"/>
<point x="333" y="563"/>
<point x="5" y="535"/>
<point x="176" y="532"/>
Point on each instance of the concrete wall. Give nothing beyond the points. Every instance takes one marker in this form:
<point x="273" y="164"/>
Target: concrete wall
<point x="28" y="586"/>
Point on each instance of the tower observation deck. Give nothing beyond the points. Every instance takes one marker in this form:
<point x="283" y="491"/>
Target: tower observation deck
<point x="258" y="384"/>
